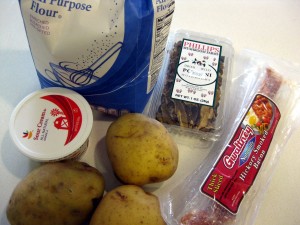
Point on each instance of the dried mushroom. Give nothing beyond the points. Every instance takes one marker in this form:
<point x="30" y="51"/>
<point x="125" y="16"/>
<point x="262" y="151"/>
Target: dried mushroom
<point x="185" y="113"/>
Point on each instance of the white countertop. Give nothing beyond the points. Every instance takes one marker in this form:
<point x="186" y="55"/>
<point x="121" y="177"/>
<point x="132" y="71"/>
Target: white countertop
<point x="268" y="26"/>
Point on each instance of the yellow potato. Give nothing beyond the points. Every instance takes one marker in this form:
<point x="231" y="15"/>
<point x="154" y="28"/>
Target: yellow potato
<point x="141" y="150"/>
<point x="128" y="205"/>
<point x="62" y="193"/>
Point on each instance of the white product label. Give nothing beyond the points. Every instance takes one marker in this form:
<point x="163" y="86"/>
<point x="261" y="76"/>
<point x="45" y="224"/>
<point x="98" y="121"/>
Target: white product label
<point x="164" y="10"/>
<point x="197" y="72"/>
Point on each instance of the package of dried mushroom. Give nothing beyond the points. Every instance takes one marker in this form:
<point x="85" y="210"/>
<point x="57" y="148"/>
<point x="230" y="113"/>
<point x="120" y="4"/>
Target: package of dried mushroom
<point x="191" y="93"/>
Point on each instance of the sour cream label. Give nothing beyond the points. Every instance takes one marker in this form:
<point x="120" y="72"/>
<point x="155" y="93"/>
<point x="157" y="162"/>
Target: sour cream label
<point x="197" y="72"/>
<point x="51" y="124"/>
<point x="240" y="162"/>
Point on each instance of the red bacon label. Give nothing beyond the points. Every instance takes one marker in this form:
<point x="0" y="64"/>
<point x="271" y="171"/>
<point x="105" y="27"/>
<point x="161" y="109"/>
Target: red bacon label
<point x="239" y="163"/>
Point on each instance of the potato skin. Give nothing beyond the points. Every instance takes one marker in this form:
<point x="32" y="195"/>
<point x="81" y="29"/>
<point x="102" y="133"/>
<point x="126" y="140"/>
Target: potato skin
<point x="128" y="205"/>
<point x="61" y="193"/>
<point x="141" y="150"/>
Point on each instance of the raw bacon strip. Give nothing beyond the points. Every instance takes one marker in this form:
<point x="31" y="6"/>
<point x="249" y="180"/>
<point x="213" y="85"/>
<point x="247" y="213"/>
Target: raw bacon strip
<point x="271" y="83"/>
<point x="215" y="215"/>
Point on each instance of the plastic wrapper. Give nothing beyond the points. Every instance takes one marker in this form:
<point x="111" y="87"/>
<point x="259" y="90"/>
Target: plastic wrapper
<point x="191" y="95"/>
<point x="228" y="186"/>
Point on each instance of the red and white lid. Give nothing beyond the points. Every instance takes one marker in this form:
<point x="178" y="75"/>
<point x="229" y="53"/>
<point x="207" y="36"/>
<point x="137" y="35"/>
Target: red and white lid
<point x="51" y="124"/>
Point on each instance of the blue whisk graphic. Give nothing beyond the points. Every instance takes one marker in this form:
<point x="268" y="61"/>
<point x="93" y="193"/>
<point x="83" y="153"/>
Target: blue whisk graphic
<point x="64" y="74"/>
<point x="84" y="77"/>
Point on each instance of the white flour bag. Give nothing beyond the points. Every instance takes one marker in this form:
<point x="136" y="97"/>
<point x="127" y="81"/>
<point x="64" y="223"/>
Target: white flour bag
<point x="110" y="51"/>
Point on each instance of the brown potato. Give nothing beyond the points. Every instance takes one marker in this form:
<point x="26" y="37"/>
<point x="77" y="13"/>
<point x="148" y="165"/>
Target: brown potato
<point x="61" y="193"/>
<point x="128" y="205"/>
<point x="141" y="150"/>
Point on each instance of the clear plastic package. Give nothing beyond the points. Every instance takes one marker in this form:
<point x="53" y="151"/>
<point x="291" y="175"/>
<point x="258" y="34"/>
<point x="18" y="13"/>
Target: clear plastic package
<point x="191" y="94"/>
<point x="229" y="184"/>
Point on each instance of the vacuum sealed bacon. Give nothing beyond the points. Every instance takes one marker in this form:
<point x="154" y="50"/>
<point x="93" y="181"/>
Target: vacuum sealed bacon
<point x="237" y="167"/>
<point x="227" y="186"/>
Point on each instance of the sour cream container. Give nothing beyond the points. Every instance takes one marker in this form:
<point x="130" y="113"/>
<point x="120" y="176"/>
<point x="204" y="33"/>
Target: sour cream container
<point x="52" y="124"/>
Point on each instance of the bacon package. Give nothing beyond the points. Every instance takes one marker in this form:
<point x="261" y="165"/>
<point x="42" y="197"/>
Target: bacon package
<point x="228" y="186"/>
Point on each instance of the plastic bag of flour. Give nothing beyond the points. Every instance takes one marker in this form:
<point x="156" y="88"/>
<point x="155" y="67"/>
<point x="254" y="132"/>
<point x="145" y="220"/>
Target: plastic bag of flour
<point x="228" y="186"/>
<point x="108" y="51"/>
